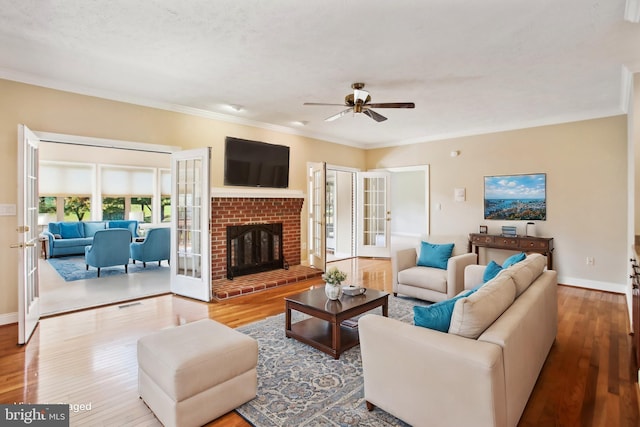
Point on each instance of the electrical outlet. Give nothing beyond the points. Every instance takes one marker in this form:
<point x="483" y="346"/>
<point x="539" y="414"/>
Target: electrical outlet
<point x="591" y="260"/>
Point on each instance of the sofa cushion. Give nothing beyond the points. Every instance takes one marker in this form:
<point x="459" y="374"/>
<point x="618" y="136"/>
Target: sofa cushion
<point x="90" y="228"/>
<point x="54" y="228"/>
<point x="492" y="270"/>
<point x="513" y="259"/>
<point x="130" y="224"/>
<point x="424" y="277"/>
<point x="437" y="316"/>
<point x="433" y="255"/>
<point x="71" y="243"/>
<point x="71" y="230"/>
<point x="526" y="272"/>
<point x="472" y="315"/>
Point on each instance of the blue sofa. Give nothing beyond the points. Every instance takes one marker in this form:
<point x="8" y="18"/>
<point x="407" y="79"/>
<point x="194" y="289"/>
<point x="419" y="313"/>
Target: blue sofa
<point x="70" y="238"/>
<point x="155" y="247"/>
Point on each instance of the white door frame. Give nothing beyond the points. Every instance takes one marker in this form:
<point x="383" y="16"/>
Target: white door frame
<point x="103" y="142"/>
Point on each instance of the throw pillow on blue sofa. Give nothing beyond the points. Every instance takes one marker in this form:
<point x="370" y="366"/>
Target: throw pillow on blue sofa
<point x="71" y="230"/>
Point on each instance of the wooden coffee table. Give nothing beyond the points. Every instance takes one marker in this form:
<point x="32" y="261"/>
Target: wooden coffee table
<point x="324" y="329"/>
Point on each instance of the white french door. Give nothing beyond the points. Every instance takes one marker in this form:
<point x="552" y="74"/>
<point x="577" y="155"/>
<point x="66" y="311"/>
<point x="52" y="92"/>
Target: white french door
<point x="27" y="213"/>
<point x="374" y="214"/>
<point x="190" y="227"/>
<point x="317" y="216"/>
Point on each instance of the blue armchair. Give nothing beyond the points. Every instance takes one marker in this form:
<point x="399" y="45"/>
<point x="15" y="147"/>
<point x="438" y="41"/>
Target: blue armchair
<point x="155" y="247"/>
<point x="110" y="247"/>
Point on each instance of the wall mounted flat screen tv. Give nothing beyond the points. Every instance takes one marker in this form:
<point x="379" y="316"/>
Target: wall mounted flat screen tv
<point x="255" y="164"/>
<point x="516" y="197"/>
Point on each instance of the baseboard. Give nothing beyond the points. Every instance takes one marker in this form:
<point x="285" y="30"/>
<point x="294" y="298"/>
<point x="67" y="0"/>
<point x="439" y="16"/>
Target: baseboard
<point x="593" y="284"/>
<point x="8" y="318"/>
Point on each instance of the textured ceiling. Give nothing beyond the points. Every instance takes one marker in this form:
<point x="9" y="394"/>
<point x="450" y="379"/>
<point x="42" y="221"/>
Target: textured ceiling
<point x="470" y="67"/>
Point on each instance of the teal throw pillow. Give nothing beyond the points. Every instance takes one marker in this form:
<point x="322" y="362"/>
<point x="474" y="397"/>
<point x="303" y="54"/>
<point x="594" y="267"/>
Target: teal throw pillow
<point x="513" y="259"/>
<point x="71" y="230"/>
<point x="432" y="255"/>
<point x="437" y="316"/>
<point x="492" y="270"/>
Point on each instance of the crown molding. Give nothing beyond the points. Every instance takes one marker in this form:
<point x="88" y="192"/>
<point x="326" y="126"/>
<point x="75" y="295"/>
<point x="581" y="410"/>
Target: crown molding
<point x="513" y="126"/>
<point x="68" y="87"/>
<point x="31" y="79"/>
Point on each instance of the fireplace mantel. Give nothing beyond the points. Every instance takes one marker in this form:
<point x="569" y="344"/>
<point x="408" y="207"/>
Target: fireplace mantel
<point x="267" y="193"/>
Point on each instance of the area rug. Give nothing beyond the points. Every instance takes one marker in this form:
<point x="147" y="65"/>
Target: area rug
<point x="73" y="268"/>
<point x="301" y="386"/>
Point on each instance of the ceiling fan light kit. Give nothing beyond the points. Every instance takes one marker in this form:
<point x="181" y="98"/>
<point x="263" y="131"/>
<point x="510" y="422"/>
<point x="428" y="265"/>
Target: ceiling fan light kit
<point x="360" y="102"/>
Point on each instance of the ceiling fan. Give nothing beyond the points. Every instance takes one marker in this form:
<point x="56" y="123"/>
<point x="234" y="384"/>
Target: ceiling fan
<point x="360" y="102"/>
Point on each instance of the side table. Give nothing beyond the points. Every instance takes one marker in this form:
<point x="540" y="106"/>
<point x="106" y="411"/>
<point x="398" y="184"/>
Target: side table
<point x="43" y="246"/>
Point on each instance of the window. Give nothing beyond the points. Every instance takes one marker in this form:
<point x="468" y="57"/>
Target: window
<point x="69" y="190"/>
<point x="47" y="205"/>
<point x="141" y="209"/>
<point x="77" y="208"/>
<point x="112" y="208"/>
<point x="165" y="195"/>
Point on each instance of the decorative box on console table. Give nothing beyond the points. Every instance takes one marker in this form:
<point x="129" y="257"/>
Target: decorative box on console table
<point x="542" y="245"/>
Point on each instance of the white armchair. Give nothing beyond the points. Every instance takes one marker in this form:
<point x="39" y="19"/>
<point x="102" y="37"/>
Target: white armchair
<point x="428" y="283"/>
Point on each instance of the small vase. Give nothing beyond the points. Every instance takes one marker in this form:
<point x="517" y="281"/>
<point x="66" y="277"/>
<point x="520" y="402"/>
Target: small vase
<point x="333" y="292"/>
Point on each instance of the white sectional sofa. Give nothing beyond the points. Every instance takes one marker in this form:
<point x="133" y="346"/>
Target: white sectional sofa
<point x="431" y="378"/>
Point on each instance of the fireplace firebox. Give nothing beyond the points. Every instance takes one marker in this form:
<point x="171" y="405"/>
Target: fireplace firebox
<point x="253" y="248"/>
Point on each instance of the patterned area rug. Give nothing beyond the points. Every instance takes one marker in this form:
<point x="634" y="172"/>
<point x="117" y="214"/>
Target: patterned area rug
<point x="301" y="386"/>
<point x="73" y="268"/>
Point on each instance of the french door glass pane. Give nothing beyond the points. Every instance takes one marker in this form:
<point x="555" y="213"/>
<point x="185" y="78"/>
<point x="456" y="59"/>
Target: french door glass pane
<point x="374" y="212"/>
<point x="189" y="229"/>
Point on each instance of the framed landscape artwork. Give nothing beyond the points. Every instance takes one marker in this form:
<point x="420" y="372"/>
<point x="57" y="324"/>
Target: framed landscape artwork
<point x="516" y="197"/>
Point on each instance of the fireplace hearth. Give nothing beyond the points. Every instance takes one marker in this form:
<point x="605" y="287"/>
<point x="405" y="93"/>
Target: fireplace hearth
<point x="254" y="248"/>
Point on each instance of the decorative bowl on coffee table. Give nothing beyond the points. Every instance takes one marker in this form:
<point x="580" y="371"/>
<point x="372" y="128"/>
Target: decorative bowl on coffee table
<point x="352" y="290"/>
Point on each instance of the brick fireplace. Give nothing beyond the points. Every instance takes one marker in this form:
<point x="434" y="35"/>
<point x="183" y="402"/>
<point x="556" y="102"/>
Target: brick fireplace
<point x="230" y="208"/>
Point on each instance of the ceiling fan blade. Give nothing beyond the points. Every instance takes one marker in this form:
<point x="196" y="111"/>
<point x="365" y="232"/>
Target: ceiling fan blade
<point x="393" y="105"/>
<point x="337" y="116"/>
<point x="322" y="103"/>
<point x="375" y="116"/>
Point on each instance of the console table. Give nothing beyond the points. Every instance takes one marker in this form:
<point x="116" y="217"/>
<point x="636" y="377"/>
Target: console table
<point x="542" y="245"/>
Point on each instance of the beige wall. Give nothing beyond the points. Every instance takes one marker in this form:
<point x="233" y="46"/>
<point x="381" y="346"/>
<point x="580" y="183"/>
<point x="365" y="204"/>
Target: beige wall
<point x="48" y="110"/>
<point x="585" y="162"/>
<point x="586" y="167"/>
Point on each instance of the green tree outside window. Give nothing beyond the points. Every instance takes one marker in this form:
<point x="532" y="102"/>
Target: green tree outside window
<point x="113" y="208"/>
<point x="75" y="208"/>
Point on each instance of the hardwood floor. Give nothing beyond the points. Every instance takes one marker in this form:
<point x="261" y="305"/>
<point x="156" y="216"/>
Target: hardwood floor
<point x="89" y="357"/>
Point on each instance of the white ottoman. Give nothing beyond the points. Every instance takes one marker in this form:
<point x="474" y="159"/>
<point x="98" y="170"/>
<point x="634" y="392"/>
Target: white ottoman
<point x="194" y="373"/>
